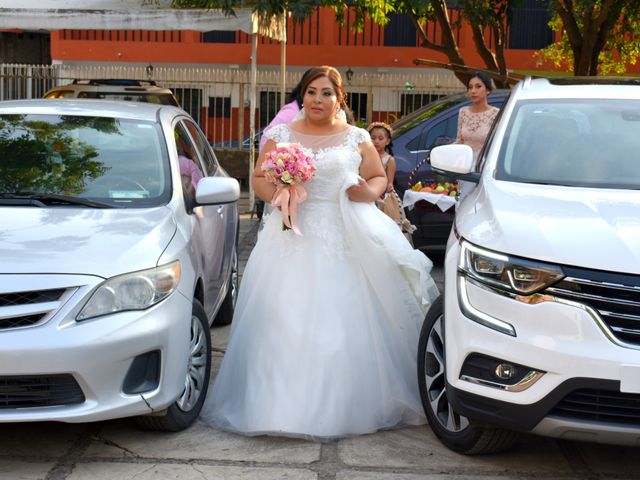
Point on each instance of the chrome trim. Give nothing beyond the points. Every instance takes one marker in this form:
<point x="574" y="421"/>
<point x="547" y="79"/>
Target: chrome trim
<point x="476" y="315"/>
<point x="529" y="379"/>
<point x="584" y="430"/>
<point x="47" y="310"/>
<point x="539" y="298"/>
<point x="617" y="286"/>
<point x="589" y="296"/>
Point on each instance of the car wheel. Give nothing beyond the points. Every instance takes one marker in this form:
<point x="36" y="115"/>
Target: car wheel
<point x="225" y="314"/>
<point x="184" y="411"/>
<point x="458" y="433"/>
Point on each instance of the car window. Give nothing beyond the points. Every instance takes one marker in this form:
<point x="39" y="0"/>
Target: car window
<point x="160" y="99"/>
<point x="563" y="142"/>
<point x="61" y="94"/>
<point x="205" y="151"/>
<point x="189" y="162"/>
<point x="117" y="161"/>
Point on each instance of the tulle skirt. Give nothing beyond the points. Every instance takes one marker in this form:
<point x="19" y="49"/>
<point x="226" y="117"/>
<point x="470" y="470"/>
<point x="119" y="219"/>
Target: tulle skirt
<point x="325" y="334"/>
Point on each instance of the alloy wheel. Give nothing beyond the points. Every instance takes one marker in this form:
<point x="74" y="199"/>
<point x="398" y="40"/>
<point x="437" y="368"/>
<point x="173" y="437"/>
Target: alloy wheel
<point x="436" y="381"/>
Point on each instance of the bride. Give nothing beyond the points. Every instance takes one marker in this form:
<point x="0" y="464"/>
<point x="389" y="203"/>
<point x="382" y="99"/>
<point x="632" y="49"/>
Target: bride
<point x="325" y="334"/>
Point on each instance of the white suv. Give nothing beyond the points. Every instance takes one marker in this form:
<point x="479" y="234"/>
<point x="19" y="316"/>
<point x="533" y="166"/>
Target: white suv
<point x="538" y="329"/>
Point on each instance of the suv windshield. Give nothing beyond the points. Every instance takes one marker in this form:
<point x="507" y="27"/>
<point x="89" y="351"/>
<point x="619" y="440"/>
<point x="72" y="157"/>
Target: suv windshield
<point x="112" y="161"/>
<point x="585" y="143"/>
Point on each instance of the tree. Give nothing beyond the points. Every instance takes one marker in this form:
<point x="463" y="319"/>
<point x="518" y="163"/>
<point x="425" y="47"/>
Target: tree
<point x="598" y="36"/>
<point x="487" y="18"/>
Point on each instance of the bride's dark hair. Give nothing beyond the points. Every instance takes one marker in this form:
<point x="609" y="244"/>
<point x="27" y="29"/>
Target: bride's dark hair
<point x="335" y="78"/>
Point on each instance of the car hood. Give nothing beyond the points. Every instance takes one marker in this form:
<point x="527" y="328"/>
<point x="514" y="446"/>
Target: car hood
<point x="83" y="241"/>
<point x="584" y="227"/>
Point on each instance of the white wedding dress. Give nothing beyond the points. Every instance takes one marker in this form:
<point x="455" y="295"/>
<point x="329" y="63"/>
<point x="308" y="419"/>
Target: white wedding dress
<point x="325" y="334"/>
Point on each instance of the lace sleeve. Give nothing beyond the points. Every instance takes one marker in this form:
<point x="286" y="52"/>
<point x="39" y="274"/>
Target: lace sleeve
<point x="360" y="135"/>
<point x="279" y="133"/>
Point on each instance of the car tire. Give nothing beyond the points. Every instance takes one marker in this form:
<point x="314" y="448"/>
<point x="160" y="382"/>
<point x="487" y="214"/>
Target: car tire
<point x="225" y="314"/>
<point x="184" y="411"/>
<point x="456" y="432"/>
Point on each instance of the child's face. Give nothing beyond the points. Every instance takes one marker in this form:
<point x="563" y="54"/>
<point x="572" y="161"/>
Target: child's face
<point x="380" y="138"/>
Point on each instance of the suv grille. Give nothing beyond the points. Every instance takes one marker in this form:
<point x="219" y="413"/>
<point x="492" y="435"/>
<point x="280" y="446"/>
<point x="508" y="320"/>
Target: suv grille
<point x="600" y="406"/>
<point x="39" y="391"/>
<point x="616" y="298"/>
<point x="24" y="309"/>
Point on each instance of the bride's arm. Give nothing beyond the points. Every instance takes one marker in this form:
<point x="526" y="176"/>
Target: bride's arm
<point x="374" y="180"/>
<point x="264" y="189"/>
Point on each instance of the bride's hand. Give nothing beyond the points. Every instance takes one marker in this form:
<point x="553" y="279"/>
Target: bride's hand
<point x="360" y="192"/>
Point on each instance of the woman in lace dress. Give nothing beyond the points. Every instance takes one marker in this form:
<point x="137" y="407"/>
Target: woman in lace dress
<point x="324" y="338"/>
<point x="474" y="121"/>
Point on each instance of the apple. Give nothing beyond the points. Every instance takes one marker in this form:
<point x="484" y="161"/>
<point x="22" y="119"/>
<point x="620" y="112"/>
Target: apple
<point x="439" y="189"/>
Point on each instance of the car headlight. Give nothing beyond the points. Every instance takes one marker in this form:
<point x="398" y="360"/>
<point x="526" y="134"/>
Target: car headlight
<point x="516" y="275"/>
<point x="132" y="291"/>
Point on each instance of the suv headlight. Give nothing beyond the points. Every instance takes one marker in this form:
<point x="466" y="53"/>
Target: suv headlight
<point x="516" y="275"/>
<point x="517" y="278"/>
<point x="132" y="291"/>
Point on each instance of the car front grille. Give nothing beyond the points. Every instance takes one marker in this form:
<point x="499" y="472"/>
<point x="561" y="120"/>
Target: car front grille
<point x="39" y="391"/>
<point x="25" y="309"/>
<point x="616" y="298"/>
<point x="600" y="406"/>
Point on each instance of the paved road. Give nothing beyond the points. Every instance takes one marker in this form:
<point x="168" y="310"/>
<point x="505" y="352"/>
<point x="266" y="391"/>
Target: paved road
<point x="119" y="450"/>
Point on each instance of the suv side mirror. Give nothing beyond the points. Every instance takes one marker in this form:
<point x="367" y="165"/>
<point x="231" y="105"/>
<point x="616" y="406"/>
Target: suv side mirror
<point x="454" y="160"/>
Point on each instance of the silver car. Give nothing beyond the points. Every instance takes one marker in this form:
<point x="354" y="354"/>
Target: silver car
<point x="117" y="253"/>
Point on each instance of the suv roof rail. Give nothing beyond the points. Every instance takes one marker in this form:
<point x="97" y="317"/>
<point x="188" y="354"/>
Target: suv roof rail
<point x="121" y="82"/>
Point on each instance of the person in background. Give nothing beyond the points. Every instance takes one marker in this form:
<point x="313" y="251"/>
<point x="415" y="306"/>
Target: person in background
<point x="389" y="202"/>
<point x="287" y="113"/>
<point x="475" y="120"/>
<point x="284" y="116"/>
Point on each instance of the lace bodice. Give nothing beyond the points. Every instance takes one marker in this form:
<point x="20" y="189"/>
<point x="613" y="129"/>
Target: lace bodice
<point x="336" y="158"/>
<point x="473" y="128"/>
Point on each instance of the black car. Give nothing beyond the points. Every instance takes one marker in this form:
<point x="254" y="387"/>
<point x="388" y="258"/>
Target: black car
<point x="414" y="135"/>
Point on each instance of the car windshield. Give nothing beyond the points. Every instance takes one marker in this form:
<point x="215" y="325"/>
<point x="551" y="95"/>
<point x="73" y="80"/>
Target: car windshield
<point x="578" y="143"/>
<point x="110" y="161"/>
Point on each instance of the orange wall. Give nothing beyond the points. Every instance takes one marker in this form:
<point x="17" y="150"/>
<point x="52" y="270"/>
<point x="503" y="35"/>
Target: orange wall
<point x="329" y="51"/>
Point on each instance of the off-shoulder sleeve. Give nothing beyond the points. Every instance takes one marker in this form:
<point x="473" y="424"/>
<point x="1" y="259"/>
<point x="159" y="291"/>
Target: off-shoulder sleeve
<point x="279" y="133"/>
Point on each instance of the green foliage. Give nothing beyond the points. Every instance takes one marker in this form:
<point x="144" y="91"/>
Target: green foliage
<point x="611" y="45"/>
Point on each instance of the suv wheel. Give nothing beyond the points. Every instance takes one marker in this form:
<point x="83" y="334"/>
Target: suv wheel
<point x="184" y="411"/>
<point x="455" y="431"/>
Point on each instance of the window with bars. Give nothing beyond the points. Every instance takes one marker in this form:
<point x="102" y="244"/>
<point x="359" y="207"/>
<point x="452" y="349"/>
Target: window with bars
<point x="529" y="27"/>
<point x="400" y="31"/>
<point x="220" y="107"/>
<point x="219" y="36"/>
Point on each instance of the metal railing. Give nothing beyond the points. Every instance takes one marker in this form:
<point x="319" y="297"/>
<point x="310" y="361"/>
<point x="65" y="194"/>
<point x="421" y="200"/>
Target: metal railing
<point x="218" y="98"/>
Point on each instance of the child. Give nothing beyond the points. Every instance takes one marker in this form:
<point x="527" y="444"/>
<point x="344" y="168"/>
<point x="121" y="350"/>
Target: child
<point x="390" y="202"/>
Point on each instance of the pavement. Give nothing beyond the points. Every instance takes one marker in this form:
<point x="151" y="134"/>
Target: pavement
<point x="120" y="450"/>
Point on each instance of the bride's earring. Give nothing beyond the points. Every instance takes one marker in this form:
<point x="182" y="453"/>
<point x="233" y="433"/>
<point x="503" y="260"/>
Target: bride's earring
<point x="338" y="112"/>
<point x="341" y="115"/>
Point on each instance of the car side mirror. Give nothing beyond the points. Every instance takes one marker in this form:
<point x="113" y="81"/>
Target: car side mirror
<point x="453" y="160"/>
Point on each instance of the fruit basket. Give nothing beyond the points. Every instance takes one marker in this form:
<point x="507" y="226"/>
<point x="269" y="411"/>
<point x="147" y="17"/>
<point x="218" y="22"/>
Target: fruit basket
<point x="441" y="193"/>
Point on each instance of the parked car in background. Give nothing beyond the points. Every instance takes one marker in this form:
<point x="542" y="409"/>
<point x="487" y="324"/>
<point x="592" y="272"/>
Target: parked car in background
<point x="414" y="135"/>
<point x="117" y="252"/>
<point x="115" y="89"/>
<point x="538" y="329"/>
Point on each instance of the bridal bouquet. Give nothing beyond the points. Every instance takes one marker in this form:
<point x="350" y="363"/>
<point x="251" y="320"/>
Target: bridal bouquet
<point x="288" y="167"/>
